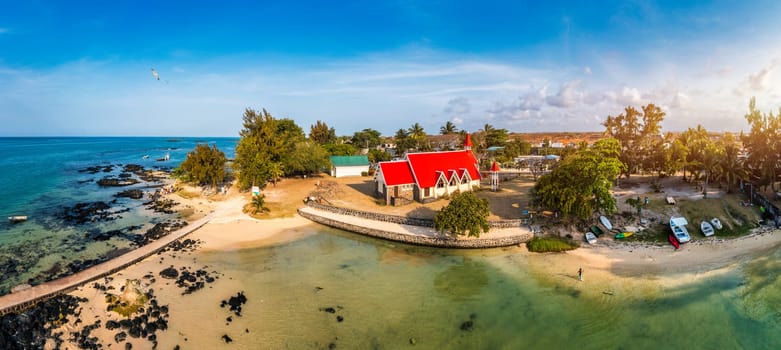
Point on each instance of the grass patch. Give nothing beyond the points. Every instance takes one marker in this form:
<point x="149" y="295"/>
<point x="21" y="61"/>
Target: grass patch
<point x="550" y="244"/>
<point x="276" y="211"/>
<point x="737" y="220"/>
<point x="129" y="301"/>
<point x="187" y="194"/>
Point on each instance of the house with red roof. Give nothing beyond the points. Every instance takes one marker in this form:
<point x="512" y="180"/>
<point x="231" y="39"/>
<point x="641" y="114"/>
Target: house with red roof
<point x="427" y="176"/>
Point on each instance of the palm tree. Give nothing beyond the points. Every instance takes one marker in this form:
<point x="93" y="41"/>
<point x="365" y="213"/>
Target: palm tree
<point x="448" y="128"/>
<point x="259" y="203"/>
<point x="417" y="134"/>
<point x="730" y="167"/>
<point x="416" y="131"/>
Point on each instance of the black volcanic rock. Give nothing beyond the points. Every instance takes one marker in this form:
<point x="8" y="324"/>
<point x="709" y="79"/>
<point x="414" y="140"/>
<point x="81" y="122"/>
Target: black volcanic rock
<point x="169" y="273"/>
<point x="134" y="194"/>
<point x="116" y="182"/>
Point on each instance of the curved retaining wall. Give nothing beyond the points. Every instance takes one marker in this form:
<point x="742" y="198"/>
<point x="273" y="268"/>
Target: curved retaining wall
<point x="443" y="242"/>
<point x="403" y="220"/>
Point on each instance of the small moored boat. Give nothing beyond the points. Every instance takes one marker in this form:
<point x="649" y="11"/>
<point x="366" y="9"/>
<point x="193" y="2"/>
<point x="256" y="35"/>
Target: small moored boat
<point x="623" y="235"/>
<point x="597" y="231"/>
<point x="706" y="228"/>
<point x="591" y="238"/>
<point x="716" y="223"/>
<point x="17" y="219"/>
<point x="605" y="222"/>
<point x="678" y="226"/>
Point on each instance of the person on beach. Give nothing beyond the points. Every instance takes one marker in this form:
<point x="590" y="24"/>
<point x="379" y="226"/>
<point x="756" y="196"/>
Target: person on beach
<point x="580" y="274"/>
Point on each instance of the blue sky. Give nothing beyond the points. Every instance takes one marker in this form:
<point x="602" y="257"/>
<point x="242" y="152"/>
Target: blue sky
<point x="83" y="68"/>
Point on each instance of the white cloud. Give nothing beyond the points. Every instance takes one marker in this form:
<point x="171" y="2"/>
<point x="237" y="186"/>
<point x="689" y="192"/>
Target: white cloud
<point x="567" y="97"/>
<point x="680" y="100"/>
<point x="587" y="70"/>
<point x="458" y="106"/>
<point x="759" y="81"/>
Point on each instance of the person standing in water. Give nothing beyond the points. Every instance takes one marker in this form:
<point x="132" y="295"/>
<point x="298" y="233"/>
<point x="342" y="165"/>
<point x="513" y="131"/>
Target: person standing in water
<point x="580" y="274"/>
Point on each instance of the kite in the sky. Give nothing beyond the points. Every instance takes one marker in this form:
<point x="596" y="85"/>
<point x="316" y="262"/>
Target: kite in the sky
<point x="155" y="75"/>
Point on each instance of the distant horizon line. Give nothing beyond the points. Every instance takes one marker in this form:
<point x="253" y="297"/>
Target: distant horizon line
<point x="390" y="136"/>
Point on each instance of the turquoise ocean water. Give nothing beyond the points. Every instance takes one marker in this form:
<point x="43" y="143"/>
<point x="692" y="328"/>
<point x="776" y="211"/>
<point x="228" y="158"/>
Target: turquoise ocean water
<point x="40" y="177"/>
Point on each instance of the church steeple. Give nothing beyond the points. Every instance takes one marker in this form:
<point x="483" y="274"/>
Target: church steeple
<point x="468" y="143"/>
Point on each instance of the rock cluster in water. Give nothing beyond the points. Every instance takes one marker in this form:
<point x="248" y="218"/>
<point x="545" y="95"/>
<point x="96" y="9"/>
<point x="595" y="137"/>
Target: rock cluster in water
<point x="187" y="280"/>
<point x="469" y="325"/>
<point x="235" y="303"/>
<point x="82" y="213"/>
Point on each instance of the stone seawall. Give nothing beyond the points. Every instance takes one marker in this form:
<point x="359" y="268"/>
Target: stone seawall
<point x="403" y="220"/>
<point x="442" y="242"/>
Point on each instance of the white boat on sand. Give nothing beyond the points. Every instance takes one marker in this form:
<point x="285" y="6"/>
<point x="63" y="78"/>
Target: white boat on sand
<point x="591" y="238"/>
<point x="605" y="222"/>
<point x="706" y="228"/>
<point x="678" y="225"/>
<point x="716" y="223"/>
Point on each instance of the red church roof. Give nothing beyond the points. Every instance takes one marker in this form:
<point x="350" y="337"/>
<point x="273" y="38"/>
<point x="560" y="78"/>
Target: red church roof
<point x="426" y="167"/>
<point x="396" y="173"/>
<point x="495" y="167"/>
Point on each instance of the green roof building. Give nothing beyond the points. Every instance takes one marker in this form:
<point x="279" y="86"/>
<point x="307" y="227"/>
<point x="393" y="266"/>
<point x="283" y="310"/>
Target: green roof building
<point x="349" y="165"/>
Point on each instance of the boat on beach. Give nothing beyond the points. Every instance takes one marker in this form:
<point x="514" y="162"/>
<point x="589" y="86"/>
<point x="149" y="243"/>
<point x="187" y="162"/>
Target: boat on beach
<point x="591" y="238"/>
<point x="706" y="228"/>
<point x="673" y="241"/>
<point x="17" y="219"/>
<point x="605" y="222"/>
<point x="678" y="226"/>
<point x="596" y="230"/>
<point x="623" y="235"/>
<point x="716" y="223"/>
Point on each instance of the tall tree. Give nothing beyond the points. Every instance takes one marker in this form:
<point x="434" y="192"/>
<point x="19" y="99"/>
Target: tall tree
<point x="340" y="149"/>
<point x="376" y="155"/>
<point x="403" y="141"/>
<point x="366" y="138"/>
<point x="259" y="151"/>
<point x="700" y="149"/>
<point x="321" y="133"/>
<point x="448" y="129"/>
<point x="464" y="215"/>
<point x="417" y="134"/>
<point x="636" y="132"/>
<point x="763" y="145"/>
<point x="730" y="165"/>
<point x="581" y="183"/>
<point x="204" y="165"/>
<point x="308" y="157"/>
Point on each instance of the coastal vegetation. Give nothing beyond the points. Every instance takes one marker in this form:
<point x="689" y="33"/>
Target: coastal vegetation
<point x="550" y="244"/>
<point x="203" y="166"/>
<point x="581" y="183"/>
<point x="259" y="203"/>
<point x="271" y="148"/>
<point x="464" y="215"/>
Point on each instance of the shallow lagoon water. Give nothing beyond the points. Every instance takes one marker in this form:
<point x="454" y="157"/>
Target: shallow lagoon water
<point x="390" y="295"/>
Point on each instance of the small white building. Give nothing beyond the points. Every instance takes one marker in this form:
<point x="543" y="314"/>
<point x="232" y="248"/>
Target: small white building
<point x="349" y="165"/>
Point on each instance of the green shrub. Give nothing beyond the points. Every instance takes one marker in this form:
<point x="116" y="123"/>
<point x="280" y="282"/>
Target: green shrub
<point x="550" y="244"/>
<point x="364" y="173"/>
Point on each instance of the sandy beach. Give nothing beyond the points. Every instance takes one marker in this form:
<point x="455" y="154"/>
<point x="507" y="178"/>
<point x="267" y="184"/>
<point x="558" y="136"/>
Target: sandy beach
<point x="609" y="267"/>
